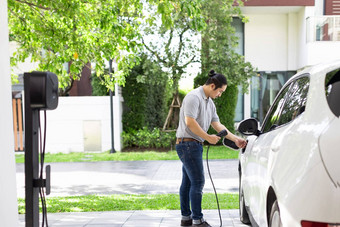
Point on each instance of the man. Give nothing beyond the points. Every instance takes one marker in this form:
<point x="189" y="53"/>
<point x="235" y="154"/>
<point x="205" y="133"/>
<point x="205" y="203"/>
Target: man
<point x="197" y="113"/>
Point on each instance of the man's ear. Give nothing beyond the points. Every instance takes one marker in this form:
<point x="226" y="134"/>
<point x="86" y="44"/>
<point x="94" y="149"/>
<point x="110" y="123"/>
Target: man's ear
<point x="212" y="86"/>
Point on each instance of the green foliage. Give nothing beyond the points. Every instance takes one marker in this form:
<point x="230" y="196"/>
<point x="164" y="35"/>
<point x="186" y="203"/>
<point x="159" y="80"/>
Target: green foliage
<point x="98" y="86"/>
<point x="145" y="94"/>
<point x="225" y="105"/>
<point x="145" y="138"/>
<point x="55" y="32"/>
<point x="219" y="43"/>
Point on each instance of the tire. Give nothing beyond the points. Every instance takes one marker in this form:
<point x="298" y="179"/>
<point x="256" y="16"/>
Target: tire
<point x="244" y="217"/>
<point x="275" y="217"/>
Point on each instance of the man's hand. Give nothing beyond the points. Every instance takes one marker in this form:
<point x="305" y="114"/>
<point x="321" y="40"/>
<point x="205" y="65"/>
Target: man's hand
<point x="241" y="143"/>
<point x="213" y="139"/>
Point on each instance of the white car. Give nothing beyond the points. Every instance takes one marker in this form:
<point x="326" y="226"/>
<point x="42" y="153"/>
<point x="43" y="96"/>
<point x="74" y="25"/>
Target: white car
<point x="290" y="170"/>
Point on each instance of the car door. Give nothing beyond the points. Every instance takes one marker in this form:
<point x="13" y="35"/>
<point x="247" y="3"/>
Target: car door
<point x="255" y="169"/>
<point x="287" y="105"/>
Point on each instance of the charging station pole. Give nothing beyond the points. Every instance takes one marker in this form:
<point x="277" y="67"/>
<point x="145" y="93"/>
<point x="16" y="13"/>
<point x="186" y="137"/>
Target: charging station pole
<point x="41" y="93"/>
<point x="31" y="158"/>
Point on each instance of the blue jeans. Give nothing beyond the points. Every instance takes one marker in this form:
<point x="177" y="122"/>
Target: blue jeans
<point x="191" y="190"/>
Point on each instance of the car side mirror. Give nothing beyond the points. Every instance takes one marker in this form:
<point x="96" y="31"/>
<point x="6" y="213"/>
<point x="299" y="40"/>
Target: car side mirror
<point x="249" y="127"/>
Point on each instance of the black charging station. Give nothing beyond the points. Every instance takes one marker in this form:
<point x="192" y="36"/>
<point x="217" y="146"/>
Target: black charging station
<point x="41" y="93"/>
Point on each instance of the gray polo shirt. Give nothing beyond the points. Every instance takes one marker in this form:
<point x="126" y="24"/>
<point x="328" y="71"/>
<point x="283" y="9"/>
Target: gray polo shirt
<point x="199" y="107"/>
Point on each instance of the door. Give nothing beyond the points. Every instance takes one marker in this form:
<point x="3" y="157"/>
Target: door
<point x="92" y="136"/>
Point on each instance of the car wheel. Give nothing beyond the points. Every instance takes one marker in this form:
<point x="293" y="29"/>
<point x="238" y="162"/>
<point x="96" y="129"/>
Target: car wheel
<point x="275" y="217"/>
<point x="244" y="217"/>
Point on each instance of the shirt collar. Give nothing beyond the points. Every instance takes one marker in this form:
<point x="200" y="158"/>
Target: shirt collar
<point x="203" y="94"/>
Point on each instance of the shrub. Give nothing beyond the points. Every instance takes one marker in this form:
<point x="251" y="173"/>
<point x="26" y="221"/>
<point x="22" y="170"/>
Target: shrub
<point x="145" y="96"/>
<point x="98" y="86"/>
<point x="146" y="138"/>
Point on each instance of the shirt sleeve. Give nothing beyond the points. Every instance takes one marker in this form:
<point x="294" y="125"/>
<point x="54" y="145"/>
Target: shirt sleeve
<point x="191" y="106"/>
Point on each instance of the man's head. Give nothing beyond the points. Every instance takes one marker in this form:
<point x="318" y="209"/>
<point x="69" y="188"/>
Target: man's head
<point x="215" y="85"/>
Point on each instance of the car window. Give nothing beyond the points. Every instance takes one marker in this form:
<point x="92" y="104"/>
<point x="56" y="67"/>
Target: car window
<point x="296" y="101"/>
<point x="332" y="91"/>
<point x="274" y="113"/>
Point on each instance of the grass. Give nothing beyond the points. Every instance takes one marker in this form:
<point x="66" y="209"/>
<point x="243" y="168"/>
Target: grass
<point x="93" y="203"/>
<point x="215" y="152"/>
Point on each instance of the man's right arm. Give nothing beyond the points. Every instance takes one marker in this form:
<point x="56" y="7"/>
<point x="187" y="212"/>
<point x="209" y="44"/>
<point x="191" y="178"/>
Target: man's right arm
<point x="197" y="130"/>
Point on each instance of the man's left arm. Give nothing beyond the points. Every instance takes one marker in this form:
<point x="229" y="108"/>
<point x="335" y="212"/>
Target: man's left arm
<point x="241" y="143"/>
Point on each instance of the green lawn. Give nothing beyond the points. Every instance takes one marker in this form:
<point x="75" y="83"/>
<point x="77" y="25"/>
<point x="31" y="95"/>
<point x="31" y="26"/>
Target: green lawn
<point x="93" y="203"/>
<point x="215" y="152"/>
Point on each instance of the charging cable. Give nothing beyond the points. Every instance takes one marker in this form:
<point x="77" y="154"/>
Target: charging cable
<point x="42" y="143"/>
<point x="222" y="133"/>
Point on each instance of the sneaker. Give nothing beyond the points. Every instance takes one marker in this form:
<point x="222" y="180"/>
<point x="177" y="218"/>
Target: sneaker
<point x="203" y="224"/>
<point x="186" y="222"/>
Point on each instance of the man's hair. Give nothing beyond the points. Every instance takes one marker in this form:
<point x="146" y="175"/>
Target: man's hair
<point x="215" y="78"/>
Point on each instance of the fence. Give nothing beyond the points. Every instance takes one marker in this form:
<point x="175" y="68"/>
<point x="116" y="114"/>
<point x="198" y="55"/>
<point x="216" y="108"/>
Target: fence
<point x="18" y="124"/>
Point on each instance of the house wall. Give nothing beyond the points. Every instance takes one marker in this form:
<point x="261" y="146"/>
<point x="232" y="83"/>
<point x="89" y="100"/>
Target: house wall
<point x="320" y="52"/>
<point x="8" y="196"/>
<point x="266" y="41"/>
<point x="278" y="42"/>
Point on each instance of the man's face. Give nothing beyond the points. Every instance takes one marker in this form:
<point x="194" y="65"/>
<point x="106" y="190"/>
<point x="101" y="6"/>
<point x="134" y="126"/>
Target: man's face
<point x="218" y="92"/>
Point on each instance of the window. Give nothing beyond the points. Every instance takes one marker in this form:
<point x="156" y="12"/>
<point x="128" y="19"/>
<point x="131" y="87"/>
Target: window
<point x="332" y="91"/>
<point x="296" y="101"/>
<point x="290" y="103"/>
<point x="274" y="113"/>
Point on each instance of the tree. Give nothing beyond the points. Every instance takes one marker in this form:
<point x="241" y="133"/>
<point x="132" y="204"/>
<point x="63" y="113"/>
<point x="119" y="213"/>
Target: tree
<point x="174" y="49"/>
<point x="55" y="32"/>
<point x="219" y="53"/>
<point x="219" y="42"/>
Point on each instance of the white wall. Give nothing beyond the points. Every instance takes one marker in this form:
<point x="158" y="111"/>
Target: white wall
<point x="292" y="41"/>
<point x="8" y="196"/>
<point x="266" y="39"/>
<point x="323" y="51"/>
<point x="65" y="125"/>
<point x="302" y="39"/>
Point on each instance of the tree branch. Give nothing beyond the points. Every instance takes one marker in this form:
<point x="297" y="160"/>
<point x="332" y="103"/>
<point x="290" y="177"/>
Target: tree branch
<point x="169" y="43"/>
<point x="34" y="5"/>
<point x="181" y="43"/>
<point x="18" y="16"/>
<point x="190" y="61"/>
<point x="154" y="53"/>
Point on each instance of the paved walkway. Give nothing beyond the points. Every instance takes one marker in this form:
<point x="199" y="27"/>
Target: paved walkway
<point x="230" y="218"/>
<point x="136" y="177"/>
<point x="133" y="177"/>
